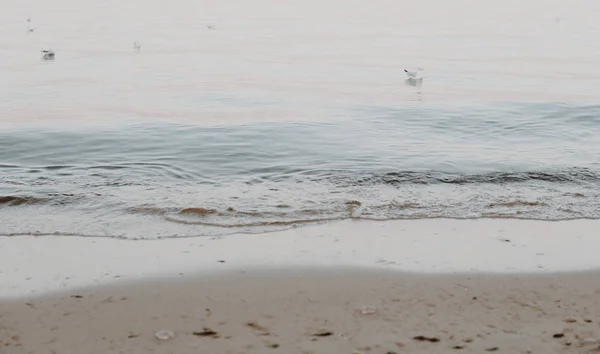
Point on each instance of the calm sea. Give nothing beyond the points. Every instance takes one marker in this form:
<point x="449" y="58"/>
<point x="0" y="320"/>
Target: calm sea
<point x="290" y="113"/>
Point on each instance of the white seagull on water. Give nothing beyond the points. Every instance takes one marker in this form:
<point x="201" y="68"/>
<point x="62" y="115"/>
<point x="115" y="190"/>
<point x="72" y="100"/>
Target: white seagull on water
<point x="29" y="28"/>
<point x="136" y="46"/>
<point x="48" y="54"/>
<point x="414" y="75"/>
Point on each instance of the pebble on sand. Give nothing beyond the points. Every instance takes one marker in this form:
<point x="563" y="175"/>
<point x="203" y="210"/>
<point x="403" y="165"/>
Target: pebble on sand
<point x="164" y="334"/>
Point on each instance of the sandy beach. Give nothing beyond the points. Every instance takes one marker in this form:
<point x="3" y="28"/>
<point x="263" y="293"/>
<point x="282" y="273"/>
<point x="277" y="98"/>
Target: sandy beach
<point x="430" y="286"/>
<point x="299" y="177"/>
<point x="314" y="311"/>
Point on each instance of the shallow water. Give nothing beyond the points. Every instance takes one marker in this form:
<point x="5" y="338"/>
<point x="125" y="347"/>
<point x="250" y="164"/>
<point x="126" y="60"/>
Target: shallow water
<point x="288" y="114"/>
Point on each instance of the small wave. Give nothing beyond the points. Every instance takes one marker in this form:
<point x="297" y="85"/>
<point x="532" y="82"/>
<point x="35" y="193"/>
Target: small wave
<point x="148" y="210"/>
<point x="516" y="203"/>
<point x="256" y="224"/>
<point x="403" y="206"/>
<point x="198" y="211"/>
<point x="229" y="217"/>
<point x="372" y="208"/>
<point x="63" y="234"/>
<point x="576" y="175"/>
<point x="56" y="167"/>
<point x="265" y="227"/>
<point x="11" y="200"/>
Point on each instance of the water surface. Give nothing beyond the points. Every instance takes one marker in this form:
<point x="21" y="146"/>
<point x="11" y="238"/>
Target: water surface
<point x="293" y="113"/>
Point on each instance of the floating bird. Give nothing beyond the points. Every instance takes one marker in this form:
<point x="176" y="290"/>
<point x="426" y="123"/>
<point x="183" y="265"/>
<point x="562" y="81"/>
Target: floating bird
<point x="414" y="75"/>
<point x="136" y="46"/>
<point x="211" y="27"/>
<point x="48" y="54"/>
<point x="29" y="28"/>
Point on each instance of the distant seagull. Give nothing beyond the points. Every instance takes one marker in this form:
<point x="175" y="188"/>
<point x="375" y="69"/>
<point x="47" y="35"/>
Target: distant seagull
<point x="29" y="28"/>
<point x="48" y="54"/>
<point x="211" y="27"/>
<point x="136" y="46"/>
<point x="414" y="75"/>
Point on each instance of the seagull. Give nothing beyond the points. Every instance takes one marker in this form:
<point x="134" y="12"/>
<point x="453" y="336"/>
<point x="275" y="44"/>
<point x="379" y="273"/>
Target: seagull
<point x="48" y="54"/>
<point x="211" y="27"/>
<point x="414" y="75"/>
<point x="136" y="46"/>
<point x="29" y="28"/>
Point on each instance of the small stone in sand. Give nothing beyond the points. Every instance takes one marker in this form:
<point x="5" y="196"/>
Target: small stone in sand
<point x="273" y="346"/>
<point x="558" y="335"/>
<point x="255" y="326"/>
<point x="570" y="320"/>
<point x="368" y="310"/>
<point x="207" y="332"/>
<point x="458" y="347"/>
<point x="322" y="333"/>
<point x="426" y="339"/>
<point x="492" y="349"/>
<point x="164" y="334"/>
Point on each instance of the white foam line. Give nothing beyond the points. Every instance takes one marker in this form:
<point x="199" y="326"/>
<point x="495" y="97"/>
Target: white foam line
<point x="34" y="265"/>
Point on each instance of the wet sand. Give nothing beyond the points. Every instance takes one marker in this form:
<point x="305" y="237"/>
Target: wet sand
<point x="314" y="310"/>
<point x="33" y="265"/>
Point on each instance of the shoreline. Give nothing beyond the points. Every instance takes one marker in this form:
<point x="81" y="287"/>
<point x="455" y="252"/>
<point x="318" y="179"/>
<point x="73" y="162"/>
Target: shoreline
<point x="32" y="265"/>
